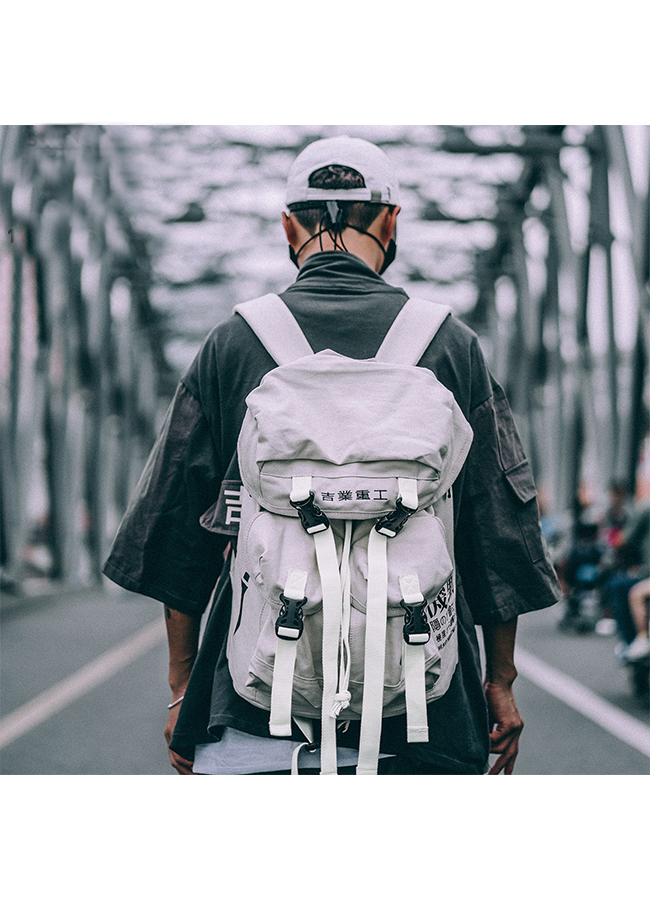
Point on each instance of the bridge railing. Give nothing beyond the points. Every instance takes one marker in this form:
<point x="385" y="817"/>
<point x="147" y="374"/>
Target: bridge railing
<point x="82" y="372"/>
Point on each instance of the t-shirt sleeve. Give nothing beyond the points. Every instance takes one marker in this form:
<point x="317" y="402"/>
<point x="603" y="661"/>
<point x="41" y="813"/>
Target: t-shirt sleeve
<point x="502" y="556"/>
<point x="160" y="549"/>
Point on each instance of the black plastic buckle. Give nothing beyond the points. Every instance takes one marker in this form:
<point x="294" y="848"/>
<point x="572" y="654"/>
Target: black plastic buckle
<point x="290" y="619"/>
<point x="416" y="627"/>
<point x="313" y="518"/>
<point x="392" y="523"/>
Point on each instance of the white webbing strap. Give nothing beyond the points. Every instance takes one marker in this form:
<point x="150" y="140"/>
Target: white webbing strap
<point x="375" y="654"/>
<point x="417" y="724"/>
<point x="276" y="328"/>
<point x="285" y="663"/>
<point x="300" y="488"/>
<point x="417" y="727"/>
<point x="294" y="757"/>
<point x="414" y="328"/>
<point x="407" y="489"/>
<point x="393" y="523"/>
<point x="330" y="576"/>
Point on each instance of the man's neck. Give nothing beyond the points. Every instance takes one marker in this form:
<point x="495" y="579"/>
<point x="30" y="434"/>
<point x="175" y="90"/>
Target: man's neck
<point x="357" y="244"/>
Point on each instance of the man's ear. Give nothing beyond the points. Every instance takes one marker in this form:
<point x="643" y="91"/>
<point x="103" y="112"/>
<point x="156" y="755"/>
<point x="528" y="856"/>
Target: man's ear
<point x="386" y="222"/>
<point x="391" y="219"/>
<point x="290" y="228"/>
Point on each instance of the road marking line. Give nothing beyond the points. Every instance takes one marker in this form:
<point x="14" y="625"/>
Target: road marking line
<point x="622" y="725"/>
<point x="12" y="726"/>
<point x="50" y="702"/>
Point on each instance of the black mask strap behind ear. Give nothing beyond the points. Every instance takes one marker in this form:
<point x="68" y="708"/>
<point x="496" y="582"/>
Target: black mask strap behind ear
<point x="389" y="255"/>
<point x="293" y="254"/>
<point x="332" y="223"/>
<point x="389" y="252"/>
<point x="334" y="228"/>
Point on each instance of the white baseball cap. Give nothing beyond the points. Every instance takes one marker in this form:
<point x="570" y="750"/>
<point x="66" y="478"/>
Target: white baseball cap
<point x="373" y="165"/>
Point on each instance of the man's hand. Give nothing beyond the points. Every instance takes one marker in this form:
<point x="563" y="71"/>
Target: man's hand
<point x="182" y="766"/>
<point x="183" y="641"/>
<point x="505" y="722"/>
<point x="506" y="725"/>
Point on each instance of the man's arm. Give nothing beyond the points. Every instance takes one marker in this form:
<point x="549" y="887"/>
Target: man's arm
<point x="183" y="641"/>
<point x="505" y="721"/>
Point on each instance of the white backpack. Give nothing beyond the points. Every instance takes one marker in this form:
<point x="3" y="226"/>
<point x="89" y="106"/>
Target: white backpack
<point x="343" y="577"/>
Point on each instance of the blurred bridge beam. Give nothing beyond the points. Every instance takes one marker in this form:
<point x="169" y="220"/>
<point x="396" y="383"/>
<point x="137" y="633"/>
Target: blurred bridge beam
<point x="638" y="216"/>
<point x="71" y="357"/>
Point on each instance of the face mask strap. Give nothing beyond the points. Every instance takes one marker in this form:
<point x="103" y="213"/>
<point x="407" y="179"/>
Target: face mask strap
<point x="294" y="254"/>
<point x="333" y="223"/>
<point x="389" y="252"/>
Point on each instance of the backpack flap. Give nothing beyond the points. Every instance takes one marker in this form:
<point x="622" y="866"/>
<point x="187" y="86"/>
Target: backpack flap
<point x="300" y="422"/>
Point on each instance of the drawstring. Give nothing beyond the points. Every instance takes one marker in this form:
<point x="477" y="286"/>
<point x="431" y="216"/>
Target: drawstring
<point x="342" y="697"/>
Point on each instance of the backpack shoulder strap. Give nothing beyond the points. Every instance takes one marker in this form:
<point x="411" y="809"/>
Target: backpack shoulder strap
<point x="414" y="328"/>
<point x="274" y="324"/>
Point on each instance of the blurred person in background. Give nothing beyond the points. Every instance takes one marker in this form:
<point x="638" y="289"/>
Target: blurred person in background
<point x="582" y="575"/>
<point x="612" y="524"/>
<point x="617" y="512"/>
<point x="638" y="601"/>
<point x="630" y="567"/>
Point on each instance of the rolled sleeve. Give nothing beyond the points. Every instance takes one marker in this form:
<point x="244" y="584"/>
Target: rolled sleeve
<point x="160" y="549"/>
<point x="502" y="557"/>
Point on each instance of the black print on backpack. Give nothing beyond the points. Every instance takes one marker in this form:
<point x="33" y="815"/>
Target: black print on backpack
<point x="244" y="587"/>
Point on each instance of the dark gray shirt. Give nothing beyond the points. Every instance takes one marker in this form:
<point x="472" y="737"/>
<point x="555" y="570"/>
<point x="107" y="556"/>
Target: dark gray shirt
<point x="161" y="549"/>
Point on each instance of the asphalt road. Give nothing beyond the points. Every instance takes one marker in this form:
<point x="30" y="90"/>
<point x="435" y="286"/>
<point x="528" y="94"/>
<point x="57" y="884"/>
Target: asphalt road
<point x="563" y="739"/>
<point x="83" y="691"/>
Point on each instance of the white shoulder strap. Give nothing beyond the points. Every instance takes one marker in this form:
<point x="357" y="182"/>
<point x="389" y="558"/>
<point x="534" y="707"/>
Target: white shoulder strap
<point x="414" y="328"/>
<point x="275" y="326"/>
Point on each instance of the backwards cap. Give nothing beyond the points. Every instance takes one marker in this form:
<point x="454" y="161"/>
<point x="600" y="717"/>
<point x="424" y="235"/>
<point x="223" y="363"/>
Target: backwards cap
<point x="373" y="165"/>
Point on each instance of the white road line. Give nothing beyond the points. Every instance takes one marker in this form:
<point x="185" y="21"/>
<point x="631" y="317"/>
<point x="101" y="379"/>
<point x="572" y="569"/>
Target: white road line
<point x="623" y="726"/>
<point x="50" y="702"/>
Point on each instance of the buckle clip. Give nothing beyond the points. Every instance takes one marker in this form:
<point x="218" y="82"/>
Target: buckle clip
<point x="416" y="627"/>
<point x="393" y="522"/>
<point x="289" y="624"/>
<point x="312" y="518"/>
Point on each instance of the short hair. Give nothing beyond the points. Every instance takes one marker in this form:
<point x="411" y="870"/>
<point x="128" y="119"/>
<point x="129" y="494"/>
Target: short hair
<point x="360" y="214"/>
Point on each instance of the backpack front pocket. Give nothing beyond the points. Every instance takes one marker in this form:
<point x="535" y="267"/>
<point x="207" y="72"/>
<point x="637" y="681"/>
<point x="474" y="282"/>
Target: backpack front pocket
<point x="419" y="548"/>
<point x="273" y="546"/>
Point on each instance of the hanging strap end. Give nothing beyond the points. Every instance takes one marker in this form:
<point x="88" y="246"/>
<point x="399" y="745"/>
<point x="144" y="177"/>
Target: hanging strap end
<point x="280" y="729"/>
<point x="416" y="734"/>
